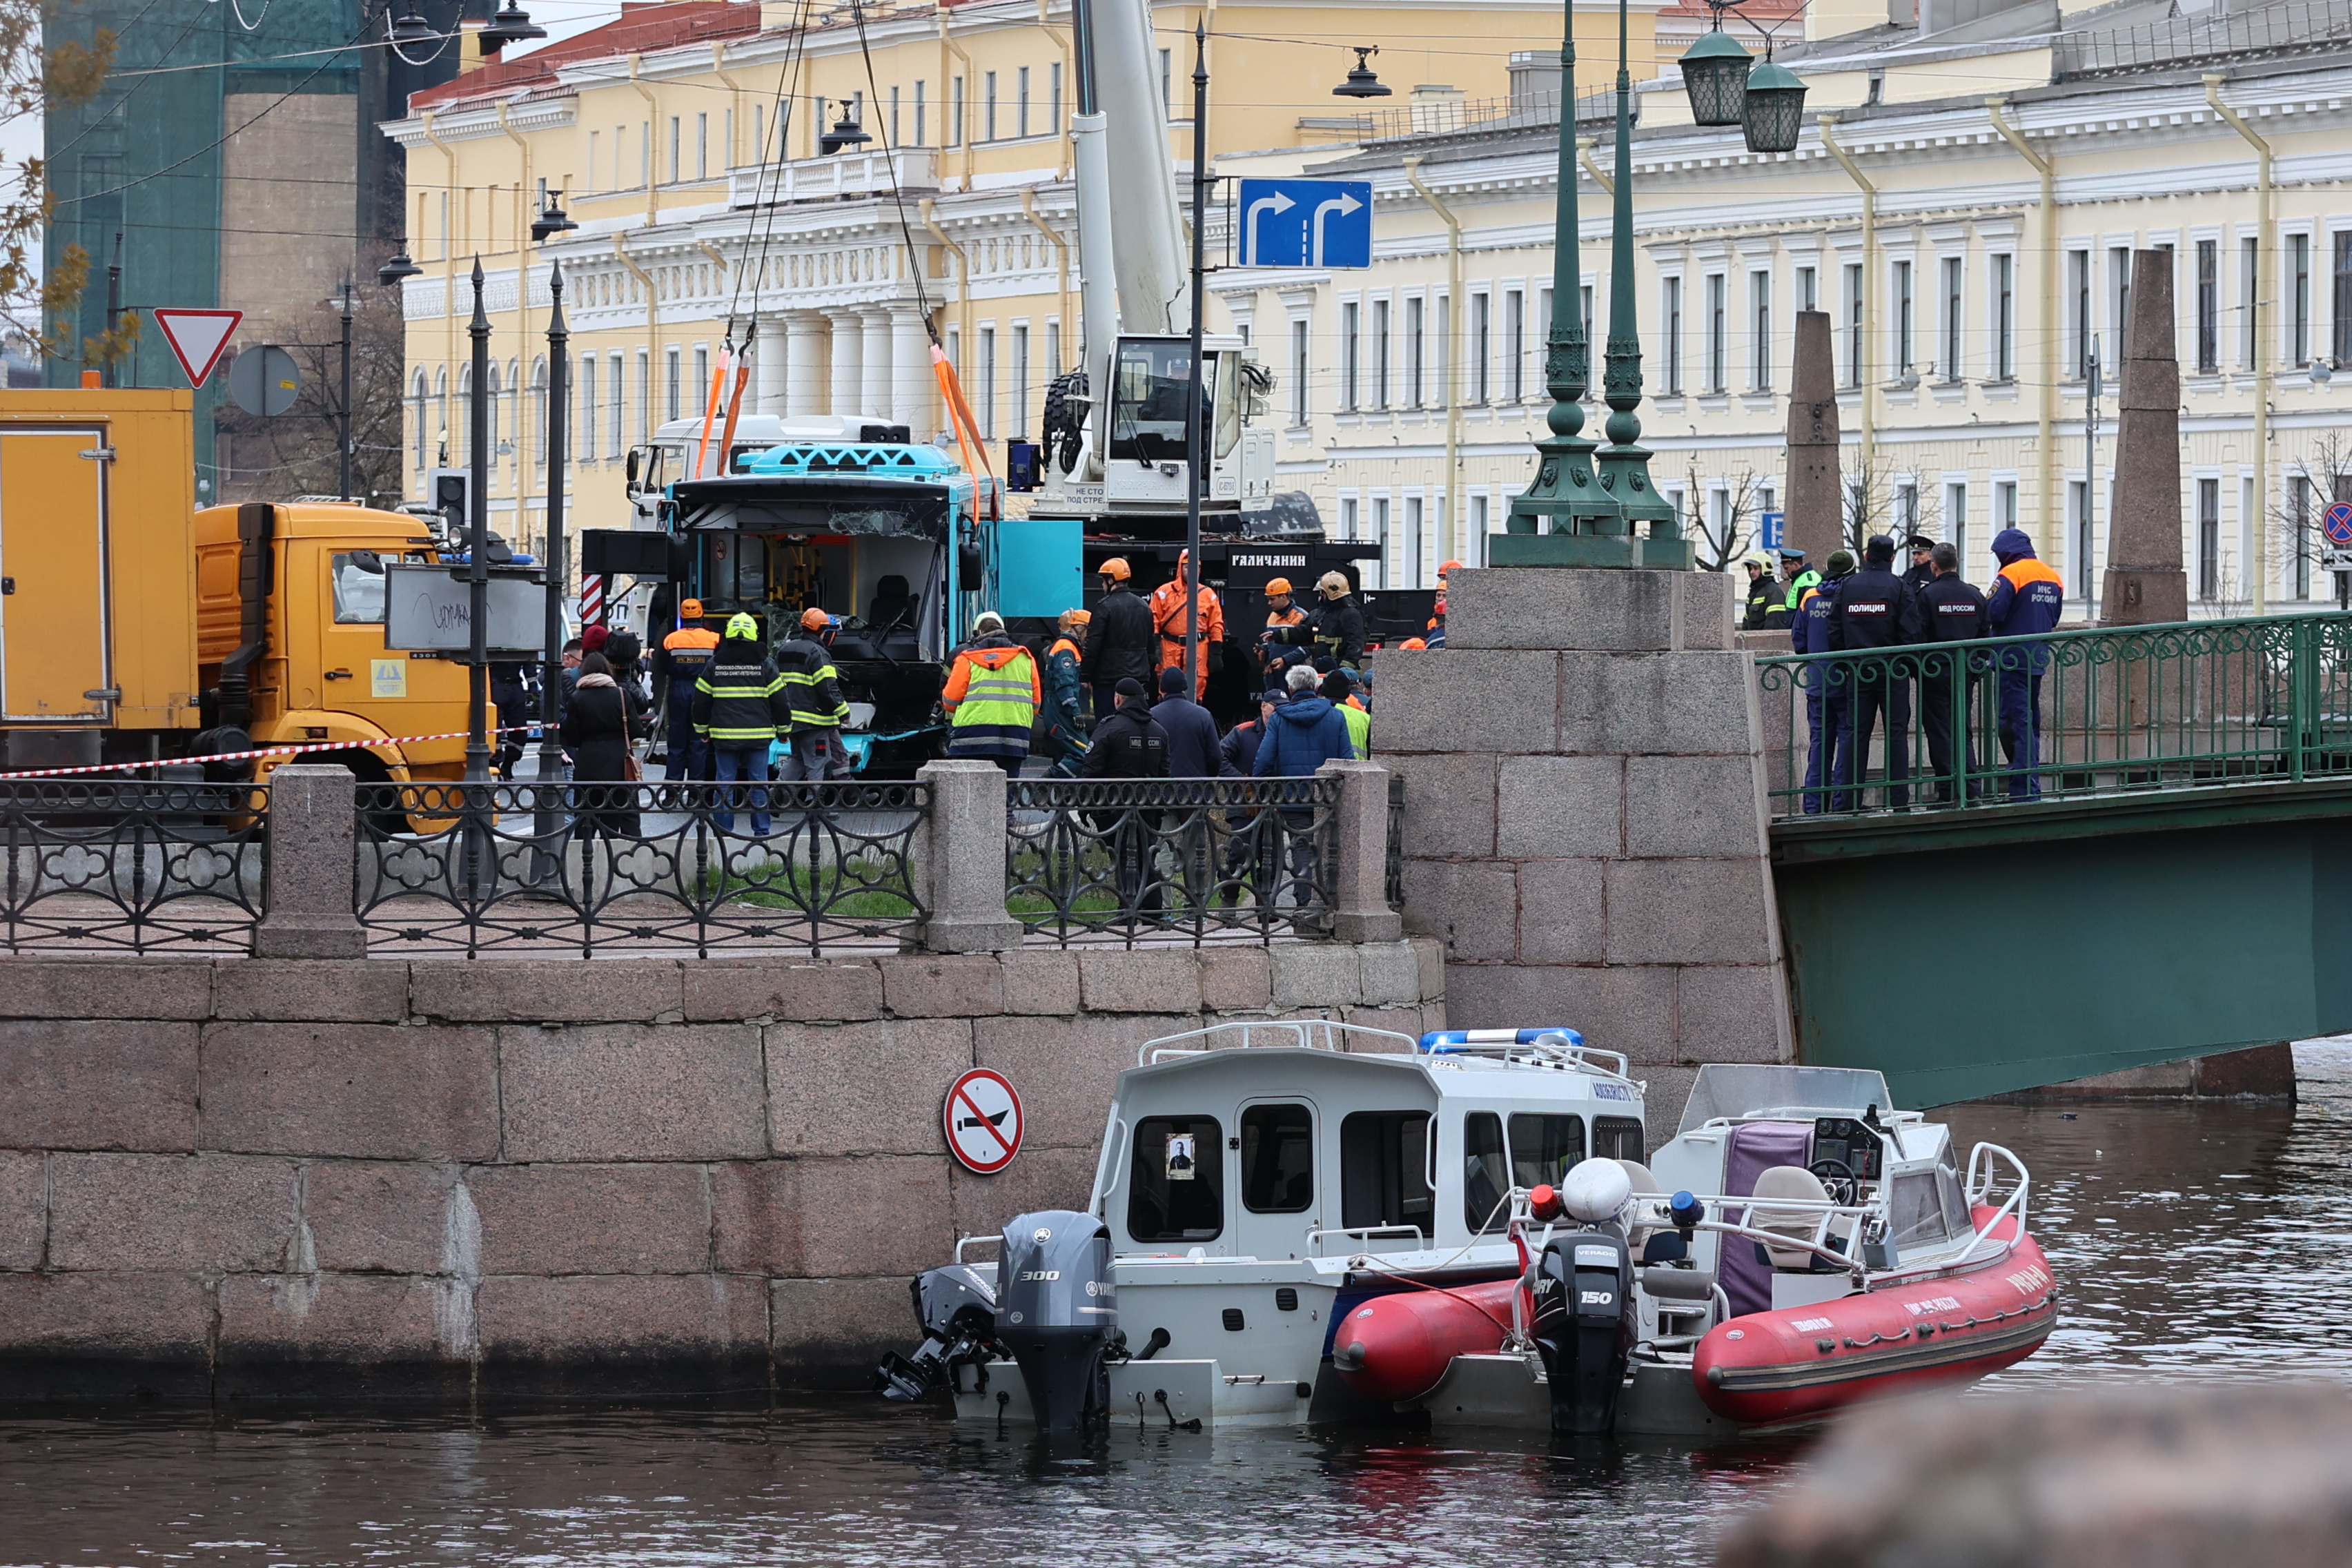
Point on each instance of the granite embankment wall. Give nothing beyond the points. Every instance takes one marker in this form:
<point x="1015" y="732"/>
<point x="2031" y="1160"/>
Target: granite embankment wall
<point x="241" y="1180"/>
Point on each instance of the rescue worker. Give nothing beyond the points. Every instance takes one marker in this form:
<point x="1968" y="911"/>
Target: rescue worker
<point x="1436" y="628"/>
<point x="1800" y="575"/>
<point x="677" y="665"/>
<point x="1066" y="696"/>
<point x="740" y="706"/>
<point x="1829" y="695"/>
<point x="1413" y="642"/>
<point x="2027" y="600"/>
<point x="1953" y="612"/>
<point x="813" y="690"/>
<point x="1336" y="629"/>
<point x="1341" y="692"/>
<point x="1281" y="610"/>
<point x="1118" y="639"/>
<point x="1170" y="621"/>
<point x="1763" y="593"/>
<point x="1128" y="743"/>
<point x="1875" y="610"/>
<point x="993" y="696"/>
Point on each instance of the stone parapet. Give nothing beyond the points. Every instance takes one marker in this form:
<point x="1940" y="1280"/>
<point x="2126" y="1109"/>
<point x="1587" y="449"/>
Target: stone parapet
<point x="250" y="1179"/>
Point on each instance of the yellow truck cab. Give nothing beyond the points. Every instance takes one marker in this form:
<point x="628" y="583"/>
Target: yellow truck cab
<point x="134" y="628"/>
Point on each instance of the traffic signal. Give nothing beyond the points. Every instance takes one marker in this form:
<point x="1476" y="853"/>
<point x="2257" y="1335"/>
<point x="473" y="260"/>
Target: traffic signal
<point x="450" y="490"/>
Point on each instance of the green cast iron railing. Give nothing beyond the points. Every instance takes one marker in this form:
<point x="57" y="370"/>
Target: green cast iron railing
<point x="2109" y="711"/>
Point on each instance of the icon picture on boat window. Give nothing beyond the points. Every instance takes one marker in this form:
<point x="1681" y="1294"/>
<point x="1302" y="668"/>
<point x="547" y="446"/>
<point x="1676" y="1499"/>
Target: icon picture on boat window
<point x="1180" y="1157"/>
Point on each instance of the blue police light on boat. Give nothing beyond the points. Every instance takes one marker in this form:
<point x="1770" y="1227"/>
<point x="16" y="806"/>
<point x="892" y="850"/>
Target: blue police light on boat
<point x="1456" y="1042"/>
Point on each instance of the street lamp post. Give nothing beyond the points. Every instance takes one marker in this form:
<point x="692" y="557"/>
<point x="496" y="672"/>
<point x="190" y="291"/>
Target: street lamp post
<point x="344" y="426"/>
<point x="478" y="548"/>
<point x="547" y="824"/>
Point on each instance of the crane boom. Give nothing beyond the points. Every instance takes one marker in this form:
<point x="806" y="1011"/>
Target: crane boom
<point x="1147" y="233"/>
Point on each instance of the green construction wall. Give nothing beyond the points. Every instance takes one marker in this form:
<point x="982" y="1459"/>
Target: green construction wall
<point x="1963" y="973"/>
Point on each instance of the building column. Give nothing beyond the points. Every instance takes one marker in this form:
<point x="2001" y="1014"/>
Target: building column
<point x="874" y="384"/>
<point x="848" y="362"/>
<point x="803" y="357"/>
<point x="913" y="403"/>
<point x="770" y="360"/>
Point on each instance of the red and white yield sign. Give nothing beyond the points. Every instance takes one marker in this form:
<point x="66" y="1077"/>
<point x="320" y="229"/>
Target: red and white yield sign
<point x="984" y="1122"/>
<point x="197" y="338"/>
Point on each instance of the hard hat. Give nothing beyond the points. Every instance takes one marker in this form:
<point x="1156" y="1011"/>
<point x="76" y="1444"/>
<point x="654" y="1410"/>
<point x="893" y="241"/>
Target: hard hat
<point x="1277" y="586"/>
<point x="1332" y="584"/>
<point x="988" y="621"/>
<point x="1759" y="560"/>
<point x="1449" y="566"/>
<point x="1413" y="642"/>
<point x="1077" y="617"/>
<point x="689" y="609"/>
<point x="1116" y="569"/>
<point x="742" y="625"/>
<point x="814" y="620"/>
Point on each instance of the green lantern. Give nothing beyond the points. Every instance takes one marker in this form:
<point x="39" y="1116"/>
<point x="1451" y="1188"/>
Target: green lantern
<point x="1715" y="74"/>
<point x="1775" y="110"/>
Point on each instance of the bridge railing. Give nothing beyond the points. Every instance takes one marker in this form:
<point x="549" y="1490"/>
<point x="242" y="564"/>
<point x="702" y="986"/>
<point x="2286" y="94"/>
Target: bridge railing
<point x="2074" y="713"/>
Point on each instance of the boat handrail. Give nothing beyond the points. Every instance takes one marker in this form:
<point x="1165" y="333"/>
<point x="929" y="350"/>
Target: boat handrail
<point x="1303" y="1034"/>
<point x="1808" y="1113"/>
<point x="1315" y="1237"/>
<point x="964" y="1241"/>
<point x="1106" y="1169"/>
<point x="1979" y="1187"/>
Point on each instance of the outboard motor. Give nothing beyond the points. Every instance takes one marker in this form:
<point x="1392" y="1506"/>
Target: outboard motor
<point x="1584" y="1306"/>
<point x="1056" y="1312"/>
<point x="957" y="1312"/>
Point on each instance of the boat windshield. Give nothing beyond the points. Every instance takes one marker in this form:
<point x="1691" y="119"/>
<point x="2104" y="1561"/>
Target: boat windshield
<point x="1148" y="399"/>
<point x="1755" y="1089"/>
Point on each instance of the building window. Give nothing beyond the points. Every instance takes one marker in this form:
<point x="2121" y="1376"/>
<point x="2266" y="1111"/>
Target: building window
<point x="1021" y="102"/>
<point x="1380" y="354"/>
<point x="670" y="381"/>
<point x="1348" y="517"/>
<point x="2209" y="538"/>
<point x="2298" y="298"/>
<point x="2078" y="296"/>
<point x="1515" y="342"/>
<point x="702" y="146"/>
<point x="2250" y="272"/>
<point x="1479" y="522"/>
<point x="1350" y="351"/>
<point x="616" y="417"/>
<point x="1381" y="534"/>
<point x="1759" y="301"/>
<point x="2078" y="501"/>
<point x="2004" y="505"/>
<point x="1808" y="289"/>
<point x="2118" y="305"/>
<point x="1167" y="97"/>
<point x="1021" y="380"/>
<point x="1673" y="312"/>
<point x="1415" y="352"/>
<point x="758" y="133"/>
<point x="2208" y="306"/>
<point x="1907" y="507"/>
<point x="988" y="382"/>
<point x="646" y="395"/>
<point x="1482" y="332"/>
<point x="2340" y="350"/>
<point x="1299" y="406"/>
<point x="2004" y="318"/>
<point x="1856" y="359"/>
<point x="592" y="138"/>
<point x="587" y="408"/>
<point x="700" y="390"/>
<point x="955" y="111"/>
<point x="898" y="137"/>
<point x="923" y="132"/>
<point x="1584" y="295"/>
<point x="1053" y="346"/>
<point x="1955" y="516"/>
<point x="988" y="106"/>
<point x="1951" y="352"/>
<point x="1412" y="562"/>
<point x="1715" y="330"/>
<point x="1901" y="319"/>
<point x="2298" y="519"/>
<point x="676" y="152"/>
<point x="1054" y="95"/>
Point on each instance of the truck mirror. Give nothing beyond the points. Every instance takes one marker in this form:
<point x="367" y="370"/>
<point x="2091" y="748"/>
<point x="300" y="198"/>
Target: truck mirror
<point x="632" y="469"/>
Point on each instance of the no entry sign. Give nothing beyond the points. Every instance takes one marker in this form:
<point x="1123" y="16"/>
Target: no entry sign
<point x="984" y="1122"/>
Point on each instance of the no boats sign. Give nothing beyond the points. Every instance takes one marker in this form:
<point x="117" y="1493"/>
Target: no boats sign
<point x="984" y="1122"/>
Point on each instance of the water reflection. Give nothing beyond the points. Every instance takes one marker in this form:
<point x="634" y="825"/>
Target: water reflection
<point x="2190" y="1240"/>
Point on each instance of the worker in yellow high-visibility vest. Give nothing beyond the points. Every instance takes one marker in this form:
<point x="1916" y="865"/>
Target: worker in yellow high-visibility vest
<point x="991" y="697"/>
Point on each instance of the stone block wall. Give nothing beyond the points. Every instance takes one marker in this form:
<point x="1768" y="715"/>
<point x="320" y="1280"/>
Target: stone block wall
<point x="244" y="1179"/>
<point x="1584" y="821"/>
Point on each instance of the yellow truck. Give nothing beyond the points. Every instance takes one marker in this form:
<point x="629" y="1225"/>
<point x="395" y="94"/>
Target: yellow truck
<point x="134" y="627"/>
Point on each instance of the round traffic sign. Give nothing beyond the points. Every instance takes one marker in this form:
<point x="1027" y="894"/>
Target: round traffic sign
<point x="2337" y="524"/>
<point x="264" y="381"/>
<point x="984" y="1120"/>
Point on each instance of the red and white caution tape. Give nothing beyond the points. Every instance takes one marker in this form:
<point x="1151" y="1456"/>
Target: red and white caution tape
<point x="262" y="752"/>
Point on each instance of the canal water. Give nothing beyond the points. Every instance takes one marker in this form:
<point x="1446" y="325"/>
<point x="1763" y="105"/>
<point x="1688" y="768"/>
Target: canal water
<point x="2190" y="1240"/>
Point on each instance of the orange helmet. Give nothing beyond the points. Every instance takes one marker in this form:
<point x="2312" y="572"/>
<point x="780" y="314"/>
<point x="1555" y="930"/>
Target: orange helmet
<point x="689" y="609"/>
<point x="1077" y="617"/>
<point x="1277" y="586"/>
<point x="1116" y="569"/>
<point x="814" y="620"/>
<point x="1413" y="642"/>
<point x="1449" y="566"/>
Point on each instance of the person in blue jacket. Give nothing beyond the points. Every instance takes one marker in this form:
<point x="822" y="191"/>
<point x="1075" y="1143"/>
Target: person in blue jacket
<point x="2028" y="599"/>
<point x="1828" y="703"/>
<point x="1301" y="736"/>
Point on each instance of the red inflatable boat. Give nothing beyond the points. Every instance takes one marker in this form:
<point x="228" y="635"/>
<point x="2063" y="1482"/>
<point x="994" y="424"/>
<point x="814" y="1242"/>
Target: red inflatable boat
<point x="1766" y="1368"/>
<point x="1396" y="1346"/>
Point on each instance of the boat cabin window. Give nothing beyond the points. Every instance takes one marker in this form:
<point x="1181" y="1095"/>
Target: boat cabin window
<point x="1485" y="1173"/>
<point x="1618" y="1138"/>
<point x="1278" y="1159"/>
<point x="1917" y="1210"/>
<point x="1175" y="1188"/>
<point x="1384" y="1170"/>
<point x="1957" y="1220"/>
<point x="1543" y="1148"/>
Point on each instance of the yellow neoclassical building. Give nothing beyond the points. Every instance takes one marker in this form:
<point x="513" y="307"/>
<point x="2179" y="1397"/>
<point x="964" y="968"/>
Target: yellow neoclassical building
<point x="687" y="140"/>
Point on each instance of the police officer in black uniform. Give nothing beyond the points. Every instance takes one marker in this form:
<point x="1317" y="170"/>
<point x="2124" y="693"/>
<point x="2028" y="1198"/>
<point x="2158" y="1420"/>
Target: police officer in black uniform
<point x="1954" y="613"/>
<point x="1922" y="569"/>
<point x="1876" y="609"/>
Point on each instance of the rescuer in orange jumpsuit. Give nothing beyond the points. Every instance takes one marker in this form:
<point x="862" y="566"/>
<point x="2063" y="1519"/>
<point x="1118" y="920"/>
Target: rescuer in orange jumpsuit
<point x="1168" y="616"/>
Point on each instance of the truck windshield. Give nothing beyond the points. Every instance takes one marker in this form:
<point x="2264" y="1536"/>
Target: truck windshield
<point x="359" y="588"/>
<point x="1146" y="420"/>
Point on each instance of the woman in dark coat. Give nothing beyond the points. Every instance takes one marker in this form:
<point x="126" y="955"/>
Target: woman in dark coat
<point x="596" y="732"/>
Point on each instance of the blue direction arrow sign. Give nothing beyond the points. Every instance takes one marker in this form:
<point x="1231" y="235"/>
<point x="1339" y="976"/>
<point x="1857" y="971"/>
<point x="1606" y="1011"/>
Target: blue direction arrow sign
<point x="2337" y="524"/>
<point x="1305" y="223"/>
